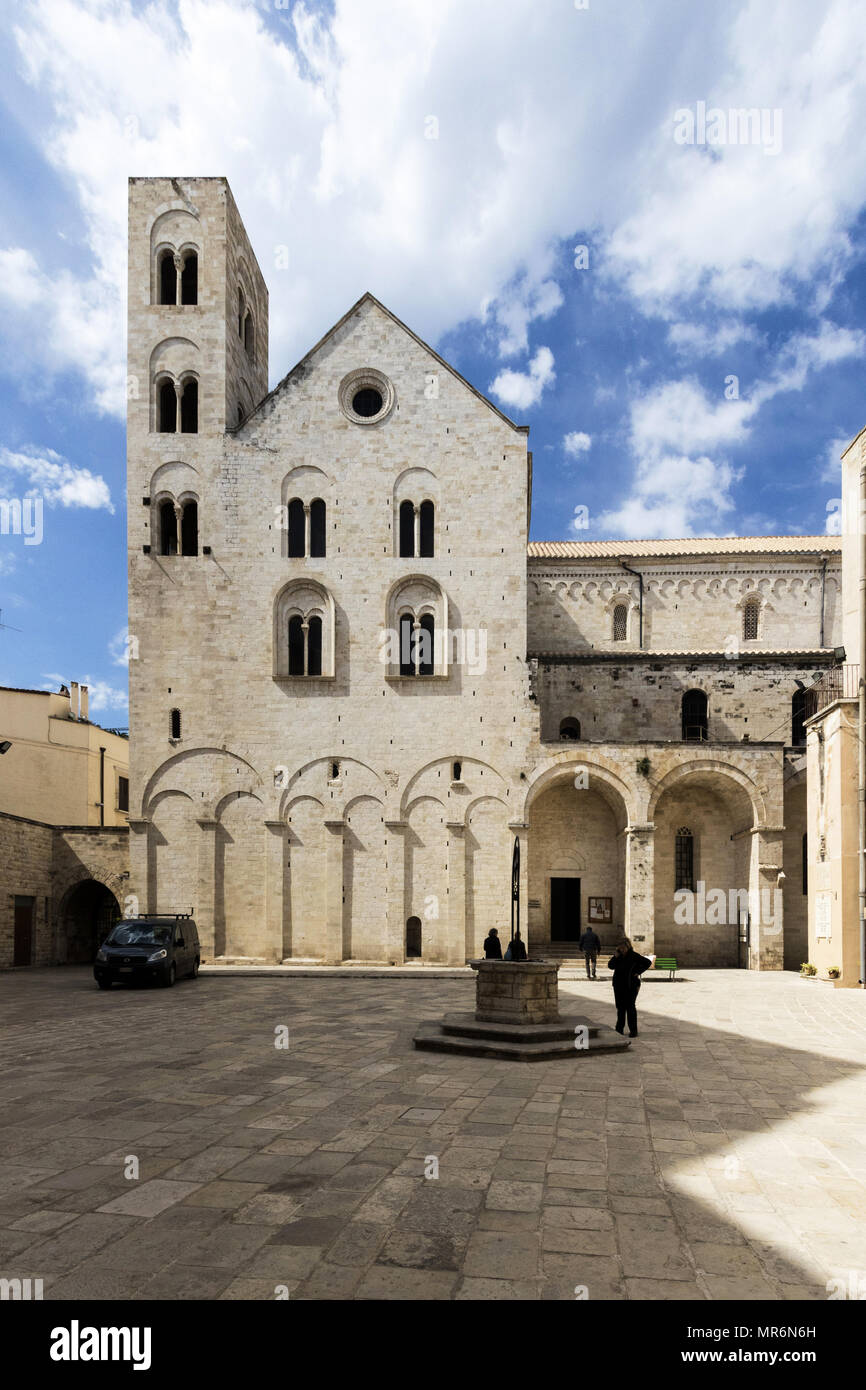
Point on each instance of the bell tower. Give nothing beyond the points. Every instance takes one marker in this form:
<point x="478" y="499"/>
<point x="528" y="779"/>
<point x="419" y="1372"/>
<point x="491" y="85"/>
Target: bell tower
<point x="197" y="364"/>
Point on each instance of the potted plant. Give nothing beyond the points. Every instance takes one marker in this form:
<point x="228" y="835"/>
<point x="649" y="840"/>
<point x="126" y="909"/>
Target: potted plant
<point x="834" y="972"/>
<point x="807" y="971"/>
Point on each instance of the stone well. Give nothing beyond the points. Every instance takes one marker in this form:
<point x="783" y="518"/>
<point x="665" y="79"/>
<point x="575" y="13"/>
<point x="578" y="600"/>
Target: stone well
<point x="517" y="1018"/>
<point x="516" y="991"/>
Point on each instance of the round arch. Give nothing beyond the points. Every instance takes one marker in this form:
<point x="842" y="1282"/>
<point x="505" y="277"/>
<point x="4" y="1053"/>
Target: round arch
<point x="88" y="911"/>
<point x="695" y="768"/>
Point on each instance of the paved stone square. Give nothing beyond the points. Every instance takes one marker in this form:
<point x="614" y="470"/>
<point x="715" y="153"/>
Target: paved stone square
<point x="721" y="1157"/>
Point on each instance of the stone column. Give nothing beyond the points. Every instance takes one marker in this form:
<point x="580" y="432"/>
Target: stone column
<point x="138" y="866"/>
<point x="640" y="887"/>
<point x="767" y="922"/>
<point x="206" y="902"/>
<point x="178" y="268"/>
<point x="306" y="531"/>
<point x="457" y="948"/>
<point x="396" y="890"/>
<point x="178" y="393"/>
<point x="275" y="858"/>
<point x="416" y="529"/>
<point x="333" y="943"/>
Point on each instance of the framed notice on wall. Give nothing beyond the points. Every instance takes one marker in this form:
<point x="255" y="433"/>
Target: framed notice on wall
<point x="599" y="910"/>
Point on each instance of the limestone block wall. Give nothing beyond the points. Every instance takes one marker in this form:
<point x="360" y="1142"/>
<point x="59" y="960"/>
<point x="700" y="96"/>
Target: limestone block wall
<point x="690" y="603"/>
<point x="643" y="698"/>
<point x="45" y="862"/>
<point x="26" y="856"/>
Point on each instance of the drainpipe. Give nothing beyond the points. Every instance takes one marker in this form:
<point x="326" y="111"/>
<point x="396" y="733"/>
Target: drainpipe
<point x="629" y="570"/>
<point x="861" y="750"/>
<point x="823" y="587"/>
<point x="102" y="786"/>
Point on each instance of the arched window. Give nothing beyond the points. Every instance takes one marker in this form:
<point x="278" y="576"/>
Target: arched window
<point x="303" y="631"/>
<point x="297" y="529"/>
<point x="407" y="529"/>
<point x="416" y="613"/>
<point x="249" y="334"/>
<point x="413" y="938"/>
<point x="241" y="314"/>
<point x="569" y="729"/>
<point x="189" y="529"/>
<point x="174" y="724"/>
<point x="620" y="623"/>
<point x="426" y="528"/>
<point x="407" y="656"/>
<point x="798" y="718"/>
<point x="189" y="279"/>
<point x="167" y="278"/>
<point x="167" y="399"/>
<point x="426" y="636"/>
<point x="317" y="527"/>
<point x="314" y="647"/>
<point x="240" y="415"/>
<point x="694" y="712"/>
<point x="167" y="529"/>
<point x="189" y="407"/>
<point x="751" y="609"/>
<point x="684" y="860"/>
<point x="296" y="645"/>
<point x="456" y="772"/>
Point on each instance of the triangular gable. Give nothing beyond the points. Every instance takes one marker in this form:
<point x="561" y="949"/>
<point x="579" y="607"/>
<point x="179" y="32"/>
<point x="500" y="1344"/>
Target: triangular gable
<point x="370" y="298"/>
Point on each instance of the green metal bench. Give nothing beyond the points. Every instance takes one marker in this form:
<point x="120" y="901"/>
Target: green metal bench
<point x="665" y="963"/>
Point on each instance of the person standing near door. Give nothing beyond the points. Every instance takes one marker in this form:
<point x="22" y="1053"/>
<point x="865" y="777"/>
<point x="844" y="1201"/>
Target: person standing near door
<point x="627" y="967"/>
<point x="590" y="944"/>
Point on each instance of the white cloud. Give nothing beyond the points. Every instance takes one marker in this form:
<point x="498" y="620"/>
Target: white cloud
<point x="104" y="696"/>
<point x="101" y="695"/>
<point x="517" y="308"/>
<point x="524" y="389"/>
<point x="680" y="437"/>
<point x="576" y="443"/>
<point x="53" y="478"/>
<point x="698" y="339"/>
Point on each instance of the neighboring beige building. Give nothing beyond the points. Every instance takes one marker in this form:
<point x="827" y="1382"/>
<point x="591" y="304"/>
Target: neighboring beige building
<point x="61" y="769"/>
<point x="316" y="771"/>
<point x="64" y="853"/>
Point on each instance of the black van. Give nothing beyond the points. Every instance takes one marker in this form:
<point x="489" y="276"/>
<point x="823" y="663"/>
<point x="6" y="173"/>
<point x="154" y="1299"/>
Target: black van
<point x="151" y="949"/>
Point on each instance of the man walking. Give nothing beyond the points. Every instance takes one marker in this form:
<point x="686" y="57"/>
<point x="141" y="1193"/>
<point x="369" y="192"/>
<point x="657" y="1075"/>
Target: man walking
<point x="590" y="944"/>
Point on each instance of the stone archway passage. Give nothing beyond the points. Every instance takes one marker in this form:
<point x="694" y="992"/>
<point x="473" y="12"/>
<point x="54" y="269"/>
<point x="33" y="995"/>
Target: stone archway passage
<point x="91" y="911"/>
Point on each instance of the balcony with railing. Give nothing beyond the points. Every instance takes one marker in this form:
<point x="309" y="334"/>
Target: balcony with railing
<point x="839" y="683"/>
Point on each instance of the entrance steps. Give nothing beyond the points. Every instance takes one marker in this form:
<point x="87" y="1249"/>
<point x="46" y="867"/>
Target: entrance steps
<point x="519" y="1042"/>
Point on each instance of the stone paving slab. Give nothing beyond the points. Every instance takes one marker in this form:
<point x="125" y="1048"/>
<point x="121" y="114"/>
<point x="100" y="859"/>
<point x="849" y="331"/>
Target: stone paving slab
<point x="722" y="1156"/>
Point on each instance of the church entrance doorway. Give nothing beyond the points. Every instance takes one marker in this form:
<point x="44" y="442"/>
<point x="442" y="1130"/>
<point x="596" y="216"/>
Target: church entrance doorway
<point x="565" y="909"/>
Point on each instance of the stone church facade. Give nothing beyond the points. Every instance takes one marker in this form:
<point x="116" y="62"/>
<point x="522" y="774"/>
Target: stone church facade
<point x="353" y="682"/>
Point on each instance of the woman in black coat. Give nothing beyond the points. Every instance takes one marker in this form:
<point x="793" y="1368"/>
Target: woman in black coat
<point x="627" y="967"/>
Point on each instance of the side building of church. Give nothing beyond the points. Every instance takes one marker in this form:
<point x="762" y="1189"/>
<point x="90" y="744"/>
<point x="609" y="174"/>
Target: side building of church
<point x="353" y="681"/>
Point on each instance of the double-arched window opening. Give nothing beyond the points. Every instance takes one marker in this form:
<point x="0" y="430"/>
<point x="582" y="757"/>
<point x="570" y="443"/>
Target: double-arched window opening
<point x="416" y="529"/>
<point x="177" y="276"/>
<point x="177" y="405"/>
<point x="305" y="646"/>
<point x="306" y="528"/>
<point x="417" y="644"/>
<point x="178" y="525"/>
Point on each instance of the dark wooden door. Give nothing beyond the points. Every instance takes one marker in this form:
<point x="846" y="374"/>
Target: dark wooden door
<point x="24" y="910"/>
<point x="565" y="909"/>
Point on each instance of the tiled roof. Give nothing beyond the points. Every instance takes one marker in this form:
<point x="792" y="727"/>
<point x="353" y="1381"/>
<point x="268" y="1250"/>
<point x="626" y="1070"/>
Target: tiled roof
<point x="651" y="653"/>
<point x="690" y="545"/>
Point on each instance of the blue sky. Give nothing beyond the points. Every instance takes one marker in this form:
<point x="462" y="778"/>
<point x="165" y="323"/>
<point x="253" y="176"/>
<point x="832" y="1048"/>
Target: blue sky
<point x="695" y="370"/>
